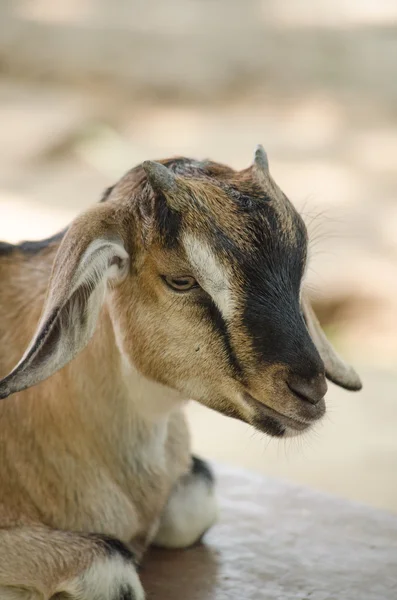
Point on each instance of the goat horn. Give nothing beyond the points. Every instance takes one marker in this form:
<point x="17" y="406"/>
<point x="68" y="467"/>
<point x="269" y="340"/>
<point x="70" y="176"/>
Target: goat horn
<point x="261" y="161"/>
<point x="161" y="178"/>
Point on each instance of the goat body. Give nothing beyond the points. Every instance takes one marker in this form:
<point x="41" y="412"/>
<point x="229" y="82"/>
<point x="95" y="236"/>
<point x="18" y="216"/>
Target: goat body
<point x="137" y="306"/>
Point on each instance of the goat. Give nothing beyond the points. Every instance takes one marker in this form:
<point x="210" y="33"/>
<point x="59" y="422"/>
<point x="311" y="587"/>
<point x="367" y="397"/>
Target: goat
<point x="185" y="281"/>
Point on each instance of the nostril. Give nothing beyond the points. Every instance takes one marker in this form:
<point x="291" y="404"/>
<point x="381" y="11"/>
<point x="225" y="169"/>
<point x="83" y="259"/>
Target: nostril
<point x="311" y="390"/>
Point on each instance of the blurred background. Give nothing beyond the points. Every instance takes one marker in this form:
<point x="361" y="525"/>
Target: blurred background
<point x="89" y="88"/>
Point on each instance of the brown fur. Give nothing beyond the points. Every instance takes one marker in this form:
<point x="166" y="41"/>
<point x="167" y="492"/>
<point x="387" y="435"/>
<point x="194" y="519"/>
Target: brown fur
<point x="100" y="445"/>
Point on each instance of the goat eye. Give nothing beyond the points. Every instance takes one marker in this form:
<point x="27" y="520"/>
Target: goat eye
<point x="180" y="284"/>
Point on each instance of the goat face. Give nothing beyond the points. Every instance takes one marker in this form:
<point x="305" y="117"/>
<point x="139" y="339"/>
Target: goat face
<point x="202" y="269"/>
<point x="216" y="304"/>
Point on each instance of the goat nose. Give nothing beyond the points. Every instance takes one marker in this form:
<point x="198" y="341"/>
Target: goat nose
<point x="309" y="389"/>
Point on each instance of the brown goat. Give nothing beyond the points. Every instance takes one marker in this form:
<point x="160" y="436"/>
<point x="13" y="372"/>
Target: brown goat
<point x="184" y="282"/>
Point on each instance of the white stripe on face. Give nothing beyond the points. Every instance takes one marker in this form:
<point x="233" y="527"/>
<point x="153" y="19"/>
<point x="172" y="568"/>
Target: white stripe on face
<point x="210" y="274"/>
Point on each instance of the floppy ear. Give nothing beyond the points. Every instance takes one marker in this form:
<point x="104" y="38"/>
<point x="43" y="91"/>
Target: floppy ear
<point x="90" y="256"/>
<point x="336" y="370"/>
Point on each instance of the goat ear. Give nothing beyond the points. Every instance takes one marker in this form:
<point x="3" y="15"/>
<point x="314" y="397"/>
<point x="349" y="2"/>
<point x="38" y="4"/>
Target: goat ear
<point x="336" y="370"/>
<point x="89" y="258"/>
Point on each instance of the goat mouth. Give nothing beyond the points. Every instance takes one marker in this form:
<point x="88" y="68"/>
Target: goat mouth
<point x="272" y="422"/>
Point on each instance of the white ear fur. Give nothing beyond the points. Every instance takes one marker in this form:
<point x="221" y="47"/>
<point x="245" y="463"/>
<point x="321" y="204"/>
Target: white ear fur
<point x="336" y="369"/>
<point x="70" y="316"/>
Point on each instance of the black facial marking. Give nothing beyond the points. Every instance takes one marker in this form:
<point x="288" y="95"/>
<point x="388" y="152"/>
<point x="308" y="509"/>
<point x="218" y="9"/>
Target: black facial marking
<point x="215" y="316"/>
<point x="272" y="314"/>
<point x="277" y="252"/>
<point x="113" y="547"/>
<point x="202" y="469"/>
<point x="168" y="221"/>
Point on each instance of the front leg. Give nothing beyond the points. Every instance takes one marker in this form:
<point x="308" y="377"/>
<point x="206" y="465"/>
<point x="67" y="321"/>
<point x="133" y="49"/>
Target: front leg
<point x="191" y="508"/>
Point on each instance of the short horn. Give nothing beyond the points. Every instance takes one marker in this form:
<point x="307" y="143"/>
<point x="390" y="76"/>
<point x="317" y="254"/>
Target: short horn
<point x="261" y="160"/>
<point x="160" y="178"/>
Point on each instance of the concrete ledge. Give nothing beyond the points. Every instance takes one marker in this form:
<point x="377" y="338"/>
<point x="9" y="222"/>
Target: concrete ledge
<point x="280" y="542"/>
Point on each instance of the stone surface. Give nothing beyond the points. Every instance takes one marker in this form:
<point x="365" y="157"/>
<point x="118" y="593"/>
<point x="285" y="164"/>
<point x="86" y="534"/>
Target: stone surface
<point x="279" y="542"/>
